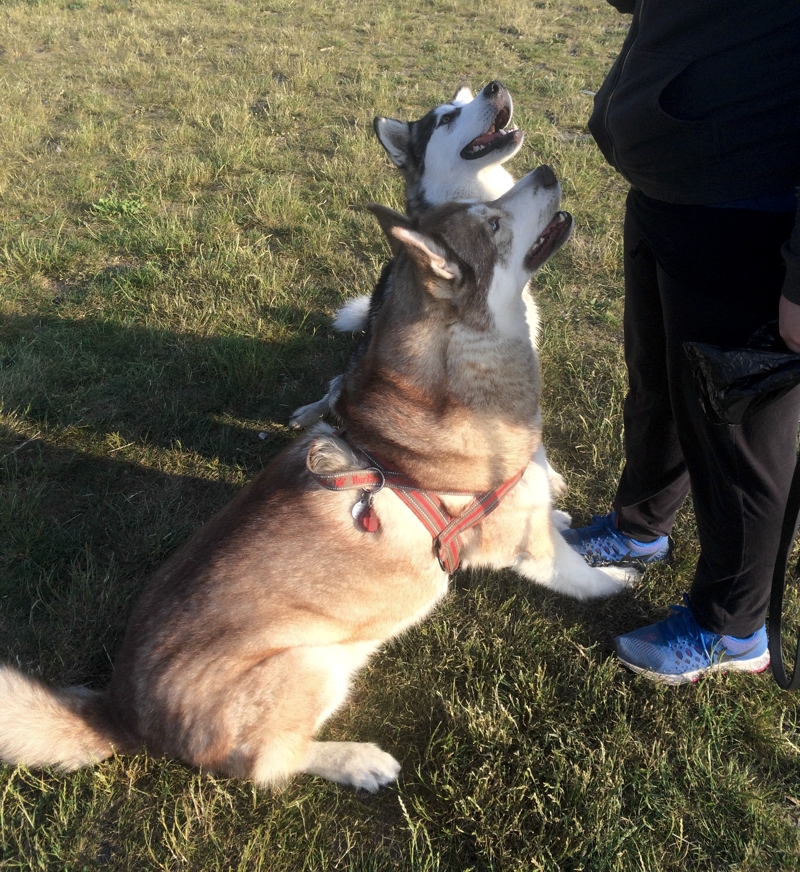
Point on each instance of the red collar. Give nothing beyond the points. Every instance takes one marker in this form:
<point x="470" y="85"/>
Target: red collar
<point x="444" y="529"/>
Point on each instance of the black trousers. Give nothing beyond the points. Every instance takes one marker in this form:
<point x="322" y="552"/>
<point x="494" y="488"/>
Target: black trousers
<point x="697" y="273"/>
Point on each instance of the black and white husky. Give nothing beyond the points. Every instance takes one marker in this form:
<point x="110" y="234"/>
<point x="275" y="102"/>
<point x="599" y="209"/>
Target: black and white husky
<point x="454" y="152"/>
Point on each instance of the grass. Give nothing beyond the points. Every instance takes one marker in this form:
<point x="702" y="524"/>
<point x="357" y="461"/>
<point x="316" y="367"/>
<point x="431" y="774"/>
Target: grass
<point x="180" y="185"/>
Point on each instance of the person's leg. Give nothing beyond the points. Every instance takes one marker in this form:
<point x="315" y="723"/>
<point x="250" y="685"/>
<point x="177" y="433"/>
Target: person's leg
<point x="740" y="475"/>
<point x="718" y="274"/>
<point x="704" y="275"/>
<point x="654" y="481"/>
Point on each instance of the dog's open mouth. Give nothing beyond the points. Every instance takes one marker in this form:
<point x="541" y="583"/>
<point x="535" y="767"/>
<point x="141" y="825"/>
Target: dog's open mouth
<point x="552" y="238"/>
<point x="495" y="137"/>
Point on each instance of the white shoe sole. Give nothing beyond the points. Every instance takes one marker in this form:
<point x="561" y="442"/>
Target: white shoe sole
<point x="756" y="665"/>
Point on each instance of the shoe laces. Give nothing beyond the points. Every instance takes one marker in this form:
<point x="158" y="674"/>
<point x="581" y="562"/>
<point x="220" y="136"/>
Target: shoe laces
<point x="681" y="626"/>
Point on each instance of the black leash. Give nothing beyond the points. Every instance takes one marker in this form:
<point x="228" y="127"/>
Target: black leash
<point x="788" y="533"/>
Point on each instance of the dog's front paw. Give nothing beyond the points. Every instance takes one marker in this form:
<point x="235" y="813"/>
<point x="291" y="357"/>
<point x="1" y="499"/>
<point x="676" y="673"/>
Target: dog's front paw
<point x="624" y="576"/>
<point x="561" y="520"/>
<point x="558" y="484"/>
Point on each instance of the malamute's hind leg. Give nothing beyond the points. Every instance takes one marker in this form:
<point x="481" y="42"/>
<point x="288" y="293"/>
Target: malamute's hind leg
<point x="305" y="686"/>
<point x="356" y="764"/>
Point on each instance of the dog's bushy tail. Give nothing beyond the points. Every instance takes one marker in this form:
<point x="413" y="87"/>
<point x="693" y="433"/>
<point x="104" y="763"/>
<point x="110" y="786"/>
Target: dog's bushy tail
<point x="353" y="316"/>
<point x="40" y="726"/>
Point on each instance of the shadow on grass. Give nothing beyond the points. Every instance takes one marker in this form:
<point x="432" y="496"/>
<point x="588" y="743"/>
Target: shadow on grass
<point x="77" y="513"/>
<point x="191" y="417"/>
<point x="209" y="395"/>
<point x="599" y="620"/>
<point x="80" y="535"/>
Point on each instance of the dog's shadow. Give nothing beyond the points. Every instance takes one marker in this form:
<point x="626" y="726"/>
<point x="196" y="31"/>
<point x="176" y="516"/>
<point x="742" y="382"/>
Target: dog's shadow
<point x="81" y="534"/>
<point x="118" y="442"/>
<point x="83" y="528"/>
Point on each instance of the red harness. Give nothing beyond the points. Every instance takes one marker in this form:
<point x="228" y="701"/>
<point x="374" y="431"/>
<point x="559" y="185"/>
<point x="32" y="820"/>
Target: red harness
<point x="444" y="529"/>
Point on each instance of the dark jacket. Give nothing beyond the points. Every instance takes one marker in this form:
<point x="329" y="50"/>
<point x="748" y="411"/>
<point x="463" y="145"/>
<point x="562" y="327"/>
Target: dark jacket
<point x="702" y="106"/>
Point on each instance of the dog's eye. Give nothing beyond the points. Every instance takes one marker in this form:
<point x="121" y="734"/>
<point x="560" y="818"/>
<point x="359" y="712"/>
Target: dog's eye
<point x="447" y="118"/>
<point x="494" y="223"/>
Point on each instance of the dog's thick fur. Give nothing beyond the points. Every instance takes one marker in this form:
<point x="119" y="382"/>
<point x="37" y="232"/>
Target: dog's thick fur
<point x="454" y="152"/>
<point x="246" y="640"/>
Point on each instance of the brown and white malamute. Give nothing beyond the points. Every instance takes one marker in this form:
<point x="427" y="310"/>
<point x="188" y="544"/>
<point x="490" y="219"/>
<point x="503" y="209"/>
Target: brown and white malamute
<point x="246" y="640"/>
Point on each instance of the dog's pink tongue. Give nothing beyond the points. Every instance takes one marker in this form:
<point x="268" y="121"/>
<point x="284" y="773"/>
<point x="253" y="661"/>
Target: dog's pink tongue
<point x="484" y="140"/>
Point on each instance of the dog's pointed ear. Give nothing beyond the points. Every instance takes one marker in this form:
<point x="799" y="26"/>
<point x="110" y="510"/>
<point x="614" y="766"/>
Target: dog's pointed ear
<point x="462" y="95"/>
<point x="437" y="272"/>
<point x="389" y="219"/>
<point x="427" y="258"/>
<point x="395" y="137"/>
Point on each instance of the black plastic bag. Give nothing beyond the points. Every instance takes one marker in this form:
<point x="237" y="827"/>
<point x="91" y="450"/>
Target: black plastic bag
<point x="734" y="384"/>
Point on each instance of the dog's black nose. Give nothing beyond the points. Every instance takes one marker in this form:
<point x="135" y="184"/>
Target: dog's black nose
<point x="547" y="178"/>
<point x="493" y="88"/>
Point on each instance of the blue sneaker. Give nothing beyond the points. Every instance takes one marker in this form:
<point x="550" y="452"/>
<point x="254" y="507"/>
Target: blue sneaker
<point x="602" y="544"/>
<point x="677" y="650"/>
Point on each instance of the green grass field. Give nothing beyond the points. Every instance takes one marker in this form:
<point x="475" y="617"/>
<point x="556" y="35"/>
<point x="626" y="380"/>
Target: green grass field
<point x="180" y="192"/>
